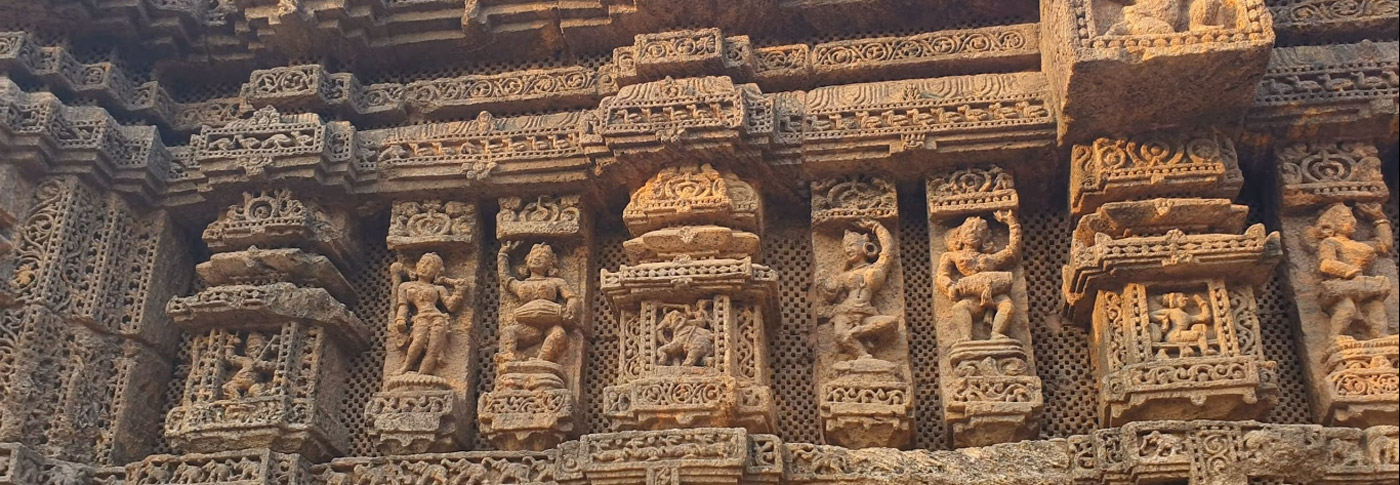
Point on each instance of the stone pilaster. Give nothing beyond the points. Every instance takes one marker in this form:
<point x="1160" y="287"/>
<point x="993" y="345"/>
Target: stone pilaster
<point x="427" y="398"/>
<point x="991" y="393"/>
<point x="1342" y="277"/>
<point x="543" y="320"/>
<point x="864" y="383"/>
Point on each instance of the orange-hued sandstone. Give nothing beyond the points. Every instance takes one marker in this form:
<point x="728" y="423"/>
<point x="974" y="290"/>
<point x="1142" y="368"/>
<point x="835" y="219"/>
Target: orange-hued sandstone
<point x="667" y="242"/>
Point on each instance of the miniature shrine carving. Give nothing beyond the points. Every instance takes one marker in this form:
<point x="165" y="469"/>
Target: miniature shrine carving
<point x="864" y="382"/>
<point x="1168" y="282"/>
<point x="1343" y="277"/>
<point x="694" y="289"/>
<point x="991" y="392"/>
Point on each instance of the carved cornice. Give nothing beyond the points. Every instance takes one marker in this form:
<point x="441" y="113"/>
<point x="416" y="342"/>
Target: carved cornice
<point x="1296" y="20"/>
<point x="1345" y="89"/>
<point x="1316" y="174"/>
<point x="1201" y="163"/>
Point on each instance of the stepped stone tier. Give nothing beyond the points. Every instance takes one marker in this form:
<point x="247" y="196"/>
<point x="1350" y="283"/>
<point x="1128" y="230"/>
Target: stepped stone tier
<point x="667" y="242"/>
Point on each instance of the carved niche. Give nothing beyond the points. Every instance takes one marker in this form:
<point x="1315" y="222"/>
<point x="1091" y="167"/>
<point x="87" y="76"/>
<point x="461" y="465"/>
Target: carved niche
<point x="1343" y="278"/>
<point x="991" y="393"/>
<point x="426" y="401"/>
<point x="1168" y="283"/>
<point x="865" y="387"/>
<point x="271" y="335"/>
<point x="694" y="306"/>
<point x="542" y="266"/>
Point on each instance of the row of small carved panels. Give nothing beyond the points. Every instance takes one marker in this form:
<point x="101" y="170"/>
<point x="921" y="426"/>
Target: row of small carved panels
<point x="1157" y="450"/>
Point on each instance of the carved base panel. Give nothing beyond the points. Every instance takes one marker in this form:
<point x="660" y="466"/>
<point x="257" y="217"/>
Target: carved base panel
<point x="1361" y="385"/>
<point x="992" y="395"/>
<point x="418" y="421"/>
<point x="274" y="422"/>
<point x="464" y="467"/>
<point x="702" y="456"/>
<point x="530" y="409"/>
<point x="1190" y="388"/>
<point x="867" y="404"/>
<point x="694" y="399"/>
<point x="243" y="467"/>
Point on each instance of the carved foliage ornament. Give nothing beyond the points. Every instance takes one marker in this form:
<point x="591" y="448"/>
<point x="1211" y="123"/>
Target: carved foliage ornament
<point x="431" y="222"/>
<point x="853" y="198"/>
<point x="1312" y="174"/>
<point x="693" y="194"/>
<point x="545" y="215"/>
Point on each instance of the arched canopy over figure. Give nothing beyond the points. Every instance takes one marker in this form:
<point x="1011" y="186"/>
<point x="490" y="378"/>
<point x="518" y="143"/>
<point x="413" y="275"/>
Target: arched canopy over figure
<point x="1348" y="292"/>
<point x="856" y="323"/>
<point x="978" y="278"/>
<point x="425" y="302"/>
<point x="549" y="307"/>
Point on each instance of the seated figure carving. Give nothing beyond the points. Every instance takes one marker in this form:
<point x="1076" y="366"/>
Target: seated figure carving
<point x="1149" y="17"/>
<point x="1349" y="293"/>
<point x="549" y="307"/>
<point x="1176" y="328"/>
<point x="427" y="304"/>
<point x="687" y="336"/>
<point x="857" y="324"/>
<point x="977" y="278"/>
<point x="253" y="368"/>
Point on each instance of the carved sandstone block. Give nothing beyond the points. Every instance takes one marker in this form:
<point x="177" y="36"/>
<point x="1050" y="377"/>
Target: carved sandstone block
<point x="1109" y="57"/>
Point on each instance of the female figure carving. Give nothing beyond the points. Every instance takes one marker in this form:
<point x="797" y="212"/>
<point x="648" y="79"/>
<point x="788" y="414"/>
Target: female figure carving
<point x="977" y="278"/>
<point x="427" y="304"/>
<point x="855" y="320"/>
<point x="549" y="307"/>
<point x="1348" y="293"/>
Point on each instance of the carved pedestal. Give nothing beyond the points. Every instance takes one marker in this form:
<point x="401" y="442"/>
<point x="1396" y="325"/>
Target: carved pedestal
<point x="426" y="403"/>
<point x="693" y="340"/>
<point x="271" y="336"/>
<point x="864" y="383"/>
<point x="1343" y="278"/>
<point x="1173" y="310"/>
<point x="991" y="393"/>
<point x="1168" y="283"/>
<point x="544" y="322"/>
<point x="1109" y="56"/>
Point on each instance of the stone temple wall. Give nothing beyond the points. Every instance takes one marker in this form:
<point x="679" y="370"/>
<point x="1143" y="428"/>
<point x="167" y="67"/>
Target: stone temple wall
<point x="663" y="242"/>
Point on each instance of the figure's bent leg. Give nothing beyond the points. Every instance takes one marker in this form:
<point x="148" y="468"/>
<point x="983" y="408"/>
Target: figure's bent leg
<point x="437" y="342"/>
<point x="554" y="344"/>
<point x="961" y="314"/>
<point x="846" y="338"/>
<point x="1342" y="314"/>
<point x="1001" y="321"/>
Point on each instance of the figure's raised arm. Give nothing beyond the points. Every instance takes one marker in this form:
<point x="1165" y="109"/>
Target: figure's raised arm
<point x="1012" y="251"/>
<point x="503" y="265"/>
<point x="1385" y="239"/>
<point x="881" y="267"/>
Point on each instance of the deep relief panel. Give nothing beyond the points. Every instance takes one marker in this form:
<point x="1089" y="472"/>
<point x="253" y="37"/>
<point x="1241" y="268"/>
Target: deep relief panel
<point x="865" y="387"/>
<point x="1343" y="277"/>
<point x="991" y="392"/>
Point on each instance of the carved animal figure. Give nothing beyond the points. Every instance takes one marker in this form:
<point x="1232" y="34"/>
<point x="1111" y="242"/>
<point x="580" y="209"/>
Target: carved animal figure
<point x="691" y="343"/>
<point x="549" y="306"/>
